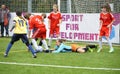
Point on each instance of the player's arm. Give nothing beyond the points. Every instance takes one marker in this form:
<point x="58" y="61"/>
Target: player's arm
<point x="110" y="24"/>
<point x="61" y="47"/>
<point x="60" y="20"/>
<point x="49" y="21"/>
<point x="14" y="22"/>
<point x="101" y="22"/>
<point x="113" y="19"/>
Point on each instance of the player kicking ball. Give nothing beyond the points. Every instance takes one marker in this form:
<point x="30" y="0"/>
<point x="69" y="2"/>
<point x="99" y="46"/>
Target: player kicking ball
<point x="37" y="29"/>
<point x="20" y="31"/>
<point x="106" y="21"/>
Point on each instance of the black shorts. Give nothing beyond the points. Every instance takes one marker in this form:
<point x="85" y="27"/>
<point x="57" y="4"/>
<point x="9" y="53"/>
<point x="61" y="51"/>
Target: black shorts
<point x="17" y="37"/>
<point x="86" y="49"/>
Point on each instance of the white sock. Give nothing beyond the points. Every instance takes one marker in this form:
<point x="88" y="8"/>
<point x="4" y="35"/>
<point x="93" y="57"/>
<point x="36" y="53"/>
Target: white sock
<point x="34" y="43"/>
<point x="100" y="43"/>
<point x="110" y="44"/>
<point x="45" y="44"/>
<point x="49" y="43"/>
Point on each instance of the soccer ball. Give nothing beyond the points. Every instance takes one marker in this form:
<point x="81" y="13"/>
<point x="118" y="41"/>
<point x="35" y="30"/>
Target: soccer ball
<point x="40" y="49"/>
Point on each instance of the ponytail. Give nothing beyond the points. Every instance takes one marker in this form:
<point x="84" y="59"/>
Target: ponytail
<point x="107" y="6"/>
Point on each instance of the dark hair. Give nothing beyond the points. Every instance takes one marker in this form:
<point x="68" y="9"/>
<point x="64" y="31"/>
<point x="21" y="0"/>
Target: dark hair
<point x="44" y="15"/>
<point x="18" y="13"/>
<point x="61" y="40"/>
<point x="107" y="6"/>
<point x="27" y="15"/>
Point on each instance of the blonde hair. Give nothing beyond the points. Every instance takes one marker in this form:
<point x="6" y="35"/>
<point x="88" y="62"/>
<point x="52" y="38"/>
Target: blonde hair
<point x="55" y="5"/>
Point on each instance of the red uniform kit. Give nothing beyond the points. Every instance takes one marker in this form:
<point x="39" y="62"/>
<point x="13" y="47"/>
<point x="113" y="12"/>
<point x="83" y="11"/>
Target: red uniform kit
<point x="54" y="21"/>
<point x="106" y="19"/>
<point x="36" y="23"/>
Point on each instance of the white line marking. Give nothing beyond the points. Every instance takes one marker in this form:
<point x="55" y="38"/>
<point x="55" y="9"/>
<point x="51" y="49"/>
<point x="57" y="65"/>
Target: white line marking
<point x="59" y="66"/>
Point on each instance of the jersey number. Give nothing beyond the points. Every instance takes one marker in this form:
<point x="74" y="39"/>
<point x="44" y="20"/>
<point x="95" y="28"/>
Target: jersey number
<point x="21" y="23"/>
<point x="38" y="20"/>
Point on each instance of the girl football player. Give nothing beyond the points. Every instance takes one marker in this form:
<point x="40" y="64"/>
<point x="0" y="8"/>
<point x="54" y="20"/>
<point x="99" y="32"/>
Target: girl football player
<point x="106" y="21"/>
<point x="54" y="23"/>
<point x="61" y="47"/>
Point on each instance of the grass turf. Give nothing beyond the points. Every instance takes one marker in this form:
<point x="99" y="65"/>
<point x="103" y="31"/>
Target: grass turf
<point x="19" y="54"/>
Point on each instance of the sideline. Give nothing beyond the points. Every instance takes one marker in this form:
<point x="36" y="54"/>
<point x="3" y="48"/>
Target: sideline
<point x="59" y="66"/>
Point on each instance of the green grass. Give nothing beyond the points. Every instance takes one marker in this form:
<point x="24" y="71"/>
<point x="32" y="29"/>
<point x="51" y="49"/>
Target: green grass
<point x="97" y="60"/>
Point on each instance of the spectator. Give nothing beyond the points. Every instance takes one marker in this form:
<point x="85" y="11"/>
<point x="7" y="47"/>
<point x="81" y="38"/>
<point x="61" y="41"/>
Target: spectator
<point x="4" y="12"/>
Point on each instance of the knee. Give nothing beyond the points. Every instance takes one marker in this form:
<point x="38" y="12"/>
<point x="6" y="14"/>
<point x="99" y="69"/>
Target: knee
<point x="27" y="43"/>
<point x="80" y="50"/>
<point x="100" y="38"/>
<point x="12" y="42"/>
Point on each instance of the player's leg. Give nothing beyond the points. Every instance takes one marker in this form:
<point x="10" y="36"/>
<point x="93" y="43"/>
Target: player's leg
<point x="34" y="43"/>
<point x="57" y="32"/>
<point x="100" y="44"/>
<point x="35" y="36"/>
<point x="91" y="47"/>
<point x="100" y="39"/>
<point x="37" y="48"/>
<point x="50" y="40"/>
<point x="24" y="37"/>
<point x="45" y="44"/>
<point x="107" y="34"/>
<point x="43" y="37"/>
<point x="15" y="37"/>
<point x="110" y="44"/>
<point x="35" y="39"/>
<point x="77" y="48"/>
<point x="40" y="43"/>
<point x="81" y="50"/>
<point x="7" y="33"/>
<point x="2" y="29"/>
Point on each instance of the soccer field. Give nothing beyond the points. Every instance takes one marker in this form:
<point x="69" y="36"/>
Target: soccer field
<point x="20" y="61"/>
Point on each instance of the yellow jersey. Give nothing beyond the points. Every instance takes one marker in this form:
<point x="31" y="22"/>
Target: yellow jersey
<point x="20" y="25"/>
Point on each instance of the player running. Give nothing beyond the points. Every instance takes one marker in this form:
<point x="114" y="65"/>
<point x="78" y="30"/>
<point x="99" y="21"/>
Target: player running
<point x="38" y="29"/>
<point x="106" y="21"/>
<point x="54" y="23"/>
<point x="19" y="26"/>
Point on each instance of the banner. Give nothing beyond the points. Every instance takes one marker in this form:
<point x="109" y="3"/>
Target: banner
<point x="81" y="27"/>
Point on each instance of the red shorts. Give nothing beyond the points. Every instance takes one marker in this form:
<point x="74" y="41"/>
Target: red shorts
<point x="105" y="31"/>
<point x="39" y="33"/>
<point x="55" y="30"/>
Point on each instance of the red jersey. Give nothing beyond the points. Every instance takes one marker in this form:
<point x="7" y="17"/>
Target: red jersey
<point x="106" y="18"/>
<point x="54" y="18"/>
<point x="35" y="21"/>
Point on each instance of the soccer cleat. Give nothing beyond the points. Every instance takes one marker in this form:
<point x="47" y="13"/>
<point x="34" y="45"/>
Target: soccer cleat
<point x="34" y="56"/>
<point x="5" y="55"/>
<point x="47" y="51"/>
<point x="99" y="50"/>
<point x="96" y="46"/>
<point x="49" y="46"/>
<point x="91" y="50"/>
<point x="111" y="50"/>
